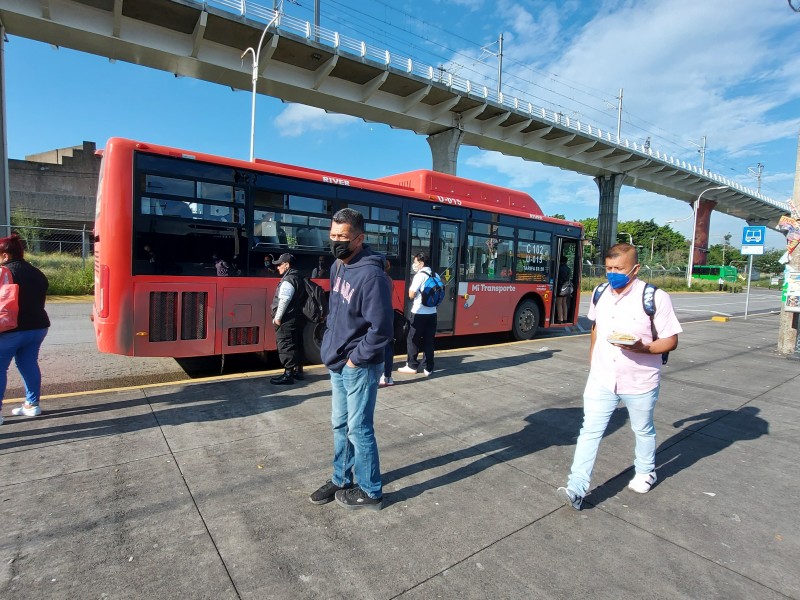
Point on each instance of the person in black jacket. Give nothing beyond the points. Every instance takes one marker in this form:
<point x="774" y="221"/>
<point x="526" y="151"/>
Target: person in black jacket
<point x="22" y="343"/>
<point x="288" y="319"/>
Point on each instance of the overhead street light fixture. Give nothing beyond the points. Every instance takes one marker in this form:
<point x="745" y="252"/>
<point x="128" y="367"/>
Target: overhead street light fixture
<point x="694" y="232"/>
<point x="256" y="54"/>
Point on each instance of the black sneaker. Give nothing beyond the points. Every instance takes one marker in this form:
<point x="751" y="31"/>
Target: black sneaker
<point x="325" y="494"/>
<point x="357" y="498"/>
<point x="285" y="379"/>
<point x="298" y="374"/>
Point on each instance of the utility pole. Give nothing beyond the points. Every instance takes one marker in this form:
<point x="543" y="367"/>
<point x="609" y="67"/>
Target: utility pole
<point x="702" y="152"/>
<point x="619" y="115"/>
<point x="5" y="193"/>
<point x="757" y="174"/>
<point x="500" y="69"/>
<point x="788" y="338"/>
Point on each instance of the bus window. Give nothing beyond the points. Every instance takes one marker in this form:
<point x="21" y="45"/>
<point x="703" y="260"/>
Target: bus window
<point x="384" y="239"/>
<point x="420" y="237"/>
<point x="223" y="193"/>
<point x="490" y="252"/>
<point x="309" y="205"/>
<point x="158" y="184"/>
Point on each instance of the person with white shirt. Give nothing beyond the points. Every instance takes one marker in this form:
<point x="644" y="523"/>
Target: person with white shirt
<point x="625" y="359"/>
<point x="422" y="332"/>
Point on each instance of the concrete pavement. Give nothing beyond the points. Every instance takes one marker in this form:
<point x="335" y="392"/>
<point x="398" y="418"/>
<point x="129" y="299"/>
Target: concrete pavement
<point x="199" y="489"/>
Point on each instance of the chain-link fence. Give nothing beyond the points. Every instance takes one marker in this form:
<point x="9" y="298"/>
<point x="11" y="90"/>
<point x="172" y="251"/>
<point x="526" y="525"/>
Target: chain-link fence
<point x="657" y="275"/>
<point x="51" y="240"/>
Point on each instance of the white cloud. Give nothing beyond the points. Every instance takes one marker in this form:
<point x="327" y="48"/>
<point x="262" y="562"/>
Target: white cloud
<point x="298" y="119"/>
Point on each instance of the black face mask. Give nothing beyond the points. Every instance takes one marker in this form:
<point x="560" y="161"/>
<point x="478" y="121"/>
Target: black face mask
<point x="341" y="250"/>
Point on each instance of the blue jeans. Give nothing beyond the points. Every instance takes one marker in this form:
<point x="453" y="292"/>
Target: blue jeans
<point x="598" y="406"/>
<point x="355" y="450"/>
<point x="23" y="347"/>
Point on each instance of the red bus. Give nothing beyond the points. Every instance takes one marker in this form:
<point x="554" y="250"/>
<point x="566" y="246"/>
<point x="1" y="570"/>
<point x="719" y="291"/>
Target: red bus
<point x="165" y="218"/>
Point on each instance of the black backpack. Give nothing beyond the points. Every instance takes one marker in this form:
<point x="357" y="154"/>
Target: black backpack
<point x="315" y="309"/>
<point x="648" y="303"/>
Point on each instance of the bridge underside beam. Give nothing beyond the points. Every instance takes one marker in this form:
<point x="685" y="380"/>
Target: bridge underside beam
<point x="193" y="39"/>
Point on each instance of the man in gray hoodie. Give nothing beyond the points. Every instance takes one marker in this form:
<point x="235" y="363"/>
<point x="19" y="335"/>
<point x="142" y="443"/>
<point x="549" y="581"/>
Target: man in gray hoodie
<point x="359" y="325"/>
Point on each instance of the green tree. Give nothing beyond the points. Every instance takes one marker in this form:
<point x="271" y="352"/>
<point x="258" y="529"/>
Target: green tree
<point x="722" y="254"/>
<point x="769" y="262"/>
<point x="26" y="226"/>
<point x="559" y="216"/>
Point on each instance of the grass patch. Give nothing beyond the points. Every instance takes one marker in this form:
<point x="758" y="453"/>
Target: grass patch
<point x="68" y="275"/>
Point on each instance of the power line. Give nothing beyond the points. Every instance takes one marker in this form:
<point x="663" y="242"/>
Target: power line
<point x="562" y="95"/>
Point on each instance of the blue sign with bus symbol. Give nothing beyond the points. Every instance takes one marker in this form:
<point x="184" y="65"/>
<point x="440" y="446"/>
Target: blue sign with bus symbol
<point x="754" y="236"/>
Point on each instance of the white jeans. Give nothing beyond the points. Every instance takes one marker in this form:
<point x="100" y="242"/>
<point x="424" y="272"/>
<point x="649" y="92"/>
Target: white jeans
<point x="599" y="404"/>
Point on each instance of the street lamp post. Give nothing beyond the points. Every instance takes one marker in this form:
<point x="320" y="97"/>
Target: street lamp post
<point x="652" y="243"/>
<point x="630" y="237"/>
<point x="694" y="232"/>
<point x="256" y="54"/>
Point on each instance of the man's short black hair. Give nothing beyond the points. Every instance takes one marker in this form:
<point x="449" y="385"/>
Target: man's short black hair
<point x="352" y="217"/>
<point x="422" y="257"/>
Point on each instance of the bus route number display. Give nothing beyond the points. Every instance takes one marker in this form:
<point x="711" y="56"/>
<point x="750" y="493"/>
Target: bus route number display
<point x="535" y="262"/>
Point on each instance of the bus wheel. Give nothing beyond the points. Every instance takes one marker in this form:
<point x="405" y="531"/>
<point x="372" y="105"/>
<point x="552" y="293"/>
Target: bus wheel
<point x="312" y="342"/>
<point x="526" y="320"/>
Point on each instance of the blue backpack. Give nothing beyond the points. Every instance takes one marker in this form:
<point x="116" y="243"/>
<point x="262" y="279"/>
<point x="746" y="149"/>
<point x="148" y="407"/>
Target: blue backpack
<point x="432" y="290"/>
<point x="648" y="304"/>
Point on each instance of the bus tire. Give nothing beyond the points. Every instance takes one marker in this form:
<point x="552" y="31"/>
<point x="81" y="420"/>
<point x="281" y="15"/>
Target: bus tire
<point x="526" y="320"/>
<point x="312" y="342"/>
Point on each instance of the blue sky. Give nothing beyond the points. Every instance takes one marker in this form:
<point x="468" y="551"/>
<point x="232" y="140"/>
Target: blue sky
<point x="725" y="69"/>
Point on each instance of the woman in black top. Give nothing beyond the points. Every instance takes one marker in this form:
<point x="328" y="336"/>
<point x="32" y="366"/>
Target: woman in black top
<point x="23" y="342"/>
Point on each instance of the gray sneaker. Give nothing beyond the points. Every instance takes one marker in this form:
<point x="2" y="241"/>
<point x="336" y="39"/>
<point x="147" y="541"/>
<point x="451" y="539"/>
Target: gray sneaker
<point x="570" y="498"/>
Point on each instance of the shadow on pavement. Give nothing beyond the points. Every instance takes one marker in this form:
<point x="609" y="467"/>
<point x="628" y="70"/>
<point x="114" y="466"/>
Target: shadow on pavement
<point x="546" y="428"/>
<point x="672" y="457"/>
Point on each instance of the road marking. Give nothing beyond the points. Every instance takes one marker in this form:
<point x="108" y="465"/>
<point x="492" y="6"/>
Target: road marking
<point x="704" y="310"/>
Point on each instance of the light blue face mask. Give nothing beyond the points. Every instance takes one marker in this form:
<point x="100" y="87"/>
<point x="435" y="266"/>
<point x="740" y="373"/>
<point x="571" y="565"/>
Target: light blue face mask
<point x="619" y="280"/>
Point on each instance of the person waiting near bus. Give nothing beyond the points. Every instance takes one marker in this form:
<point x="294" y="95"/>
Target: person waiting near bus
<point x="222" y="266"/>
<point x="627" y="370"/>
<point x="422" y="332"/>
<point x="288" y="319"/>
<point x="564" y="291"/>
<point x="22" y="343"/>
<point x="320" y="270"/>
<point x="353" y="348"/>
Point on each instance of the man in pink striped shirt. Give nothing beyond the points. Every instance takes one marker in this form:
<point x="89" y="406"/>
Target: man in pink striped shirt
<point x="625" y="365"/>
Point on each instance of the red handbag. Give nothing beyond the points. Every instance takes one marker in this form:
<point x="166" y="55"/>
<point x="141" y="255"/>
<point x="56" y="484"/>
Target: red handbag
<point x="9" y="300"/>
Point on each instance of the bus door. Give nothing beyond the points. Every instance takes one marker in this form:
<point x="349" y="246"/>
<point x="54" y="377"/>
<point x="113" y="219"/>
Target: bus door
<point x="568" y="256"/>
<point x="441" y="240"/>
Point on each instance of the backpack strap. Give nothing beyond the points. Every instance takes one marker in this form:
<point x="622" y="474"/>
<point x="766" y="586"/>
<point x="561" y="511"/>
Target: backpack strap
<point x="649" y="306"/>
<point x="598" y="291"/>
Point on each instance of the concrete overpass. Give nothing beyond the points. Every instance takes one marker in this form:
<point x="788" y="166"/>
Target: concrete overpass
<point x="305" y="64"/>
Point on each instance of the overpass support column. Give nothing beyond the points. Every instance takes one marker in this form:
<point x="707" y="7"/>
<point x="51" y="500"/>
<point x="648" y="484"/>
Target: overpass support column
<point x="444" y="148"/>
<point x="5" y="194"/>
<point x="607" y="217"/>
<point x="701" y="228"/>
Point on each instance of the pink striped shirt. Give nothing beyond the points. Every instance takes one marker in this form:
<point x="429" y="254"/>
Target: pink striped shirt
<point x="616" y="369"/>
